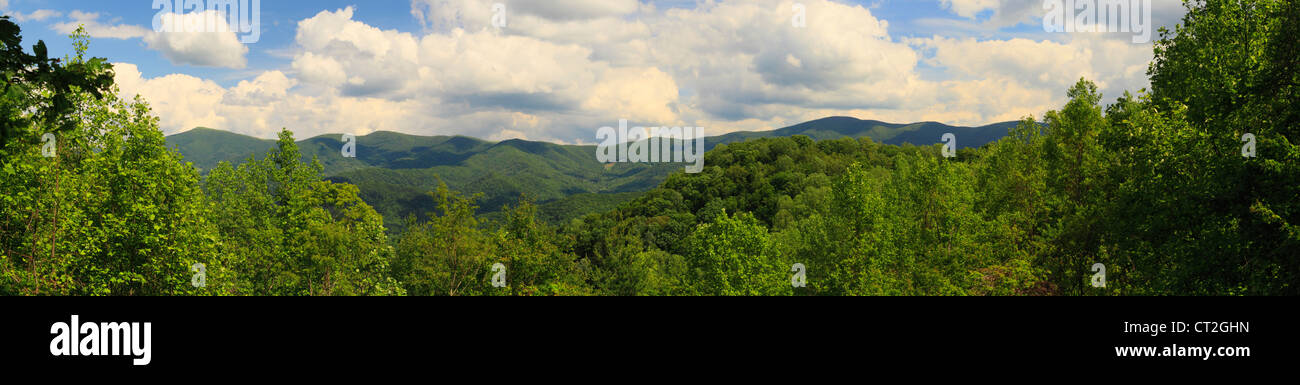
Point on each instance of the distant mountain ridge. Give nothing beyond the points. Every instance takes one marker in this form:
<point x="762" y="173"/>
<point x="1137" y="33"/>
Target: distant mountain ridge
<point x="924" y="133"/>
<point x="395" y="171"/>
<point x="206" y="146"/>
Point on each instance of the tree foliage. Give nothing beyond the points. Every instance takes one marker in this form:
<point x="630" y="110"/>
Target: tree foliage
<point x="110" y="211"/>
<point x="1156" y="186"/>
<point x="288" y="232"/>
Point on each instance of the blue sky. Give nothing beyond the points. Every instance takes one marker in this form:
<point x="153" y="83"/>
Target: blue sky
<point x="562" y="68"/>
<point x="279" y="23"/>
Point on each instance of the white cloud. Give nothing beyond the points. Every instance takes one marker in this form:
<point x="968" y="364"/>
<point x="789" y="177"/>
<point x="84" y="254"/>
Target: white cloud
<point x="37" y="15"/>
<point x="738" y="55"/>
<point x="1115" y="65"/>
<point x="574" y="9"/>
<point x="217" y="48"/>
<point x="97" y="29"/>
<point x="643" y="94"/>
<point x="336" y="51"/>
<point x="474" y="71"/>
<point x="473" y="15"/>
<point x="320" y="70"/>
<point x="182" y="101"/>
<point x="558" y="73"/>
<point x="269" y="87"/>
<point x="969" y="8"/>
<point x="1006" y="13"/>
<point x="261" y="107"/>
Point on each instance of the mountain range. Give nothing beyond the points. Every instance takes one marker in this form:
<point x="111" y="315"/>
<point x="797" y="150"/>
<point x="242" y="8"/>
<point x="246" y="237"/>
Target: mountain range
<point x="396" y="171"/>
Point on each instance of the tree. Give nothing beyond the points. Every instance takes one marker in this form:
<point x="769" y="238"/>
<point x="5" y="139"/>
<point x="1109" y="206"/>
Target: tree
<point x="1014" y="196"/>
<point x="39" y="91"/>
<point x="1198" y="216"/>
<point x="1072" y="154"/>
<point x="287" y="232"/>
<point x="112" y="211"/>
<point x="535" y="255"/>
<point x="734" y="256"/>
<point x="449" y="254"/>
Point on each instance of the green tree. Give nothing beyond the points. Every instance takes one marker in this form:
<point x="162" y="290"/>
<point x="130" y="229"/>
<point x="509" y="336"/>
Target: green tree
<point x="535" y="255"/>
<point x="39" y="91"/>
<point x="449" y="254"/>
<point x="734" y="256"/>
<point x="1072" y="155"/>
<point x="1193" y="214"/>
<point x="112" y="211"/>
<point x="1014" y="196"/>
<point x="288" y="232"/>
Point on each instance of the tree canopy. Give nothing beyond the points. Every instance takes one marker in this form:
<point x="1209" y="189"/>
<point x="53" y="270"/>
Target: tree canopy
<point x="1190" y="188"/>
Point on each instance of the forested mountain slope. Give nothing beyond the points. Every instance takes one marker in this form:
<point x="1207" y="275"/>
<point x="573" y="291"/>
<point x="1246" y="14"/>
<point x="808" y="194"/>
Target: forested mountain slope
<point x="395" y="171"/>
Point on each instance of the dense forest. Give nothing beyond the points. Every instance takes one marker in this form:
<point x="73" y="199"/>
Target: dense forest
<point x="396" y="171"/>
<point x="1189" y="188"/>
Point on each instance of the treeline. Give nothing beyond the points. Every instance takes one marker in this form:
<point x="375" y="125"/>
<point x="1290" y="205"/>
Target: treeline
<point x="1192" y="188"/>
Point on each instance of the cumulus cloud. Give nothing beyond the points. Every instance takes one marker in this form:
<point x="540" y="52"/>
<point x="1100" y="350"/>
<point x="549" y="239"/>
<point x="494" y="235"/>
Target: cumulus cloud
<point x="574" y="9"/>
<point x="182" y="101"/>
<point x="474" y="71"/>
<point x="1114" y="64"/>
<point x="98" y="29"/>
<point x="968" y="8"/>
<point x="37" y="15"/>
<point x="560" y="71"/>
<point x="178" y="41"/>
<point x="474" y="15"/>
<point x="1006" y="13"/>
<point x="267" y="88"/>
<point x="643" y="94"/>
<point x="219" y="47"/>
<point x="739" y="55"/>
<point x="260" y="107"/>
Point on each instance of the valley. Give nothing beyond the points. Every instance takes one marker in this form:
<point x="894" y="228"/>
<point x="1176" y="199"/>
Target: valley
<point x="395" y="171"/>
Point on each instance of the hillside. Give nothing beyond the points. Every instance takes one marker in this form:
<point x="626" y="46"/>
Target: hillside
<point x="394" y="170"/>
<point x="920" y="134"/>
<point x="206" y="147"/>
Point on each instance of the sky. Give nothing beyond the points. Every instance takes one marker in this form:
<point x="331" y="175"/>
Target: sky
<point x="558" y="70"/>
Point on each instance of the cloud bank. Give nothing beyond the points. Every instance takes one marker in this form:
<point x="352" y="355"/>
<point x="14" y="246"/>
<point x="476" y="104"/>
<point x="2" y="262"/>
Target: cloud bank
<point x="560" y="71"/>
